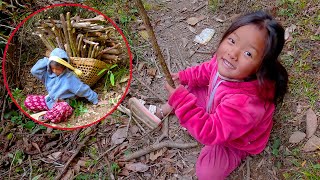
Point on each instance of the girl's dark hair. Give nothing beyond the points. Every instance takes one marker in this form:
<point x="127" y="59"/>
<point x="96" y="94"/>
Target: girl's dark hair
<point x="270" y="68"/>
<point x="56" y="64"/>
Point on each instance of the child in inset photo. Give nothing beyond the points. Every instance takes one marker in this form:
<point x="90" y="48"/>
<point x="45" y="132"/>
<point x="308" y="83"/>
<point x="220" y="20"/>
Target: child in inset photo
<point x="61" y="82"/>
<point x="227" y="103"/>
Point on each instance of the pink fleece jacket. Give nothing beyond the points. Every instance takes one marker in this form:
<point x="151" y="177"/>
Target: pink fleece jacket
<point x="240" y="116"/>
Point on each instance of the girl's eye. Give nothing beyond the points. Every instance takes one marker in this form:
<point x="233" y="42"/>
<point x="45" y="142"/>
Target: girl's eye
<point x="248" y="54"/>
<point x="231" y="40"/>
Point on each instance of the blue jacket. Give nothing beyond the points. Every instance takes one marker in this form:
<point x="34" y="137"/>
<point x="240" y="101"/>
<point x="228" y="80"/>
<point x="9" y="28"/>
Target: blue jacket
<point x="61" y="87"/>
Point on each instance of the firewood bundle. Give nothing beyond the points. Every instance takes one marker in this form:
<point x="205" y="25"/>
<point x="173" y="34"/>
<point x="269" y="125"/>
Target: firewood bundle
<point x="86" y="38"/>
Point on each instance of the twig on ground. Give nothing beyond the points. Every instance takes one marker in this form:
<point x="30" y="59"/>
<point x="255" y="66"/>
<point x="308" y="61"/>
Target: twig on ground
<point x="72" y="157"/>
<point x="200" y="7"/>
<point x="165" y="130"/>
<point x="128" y="112"/>
<point x="151" y="91"/>
<point x="248" y="168"/>
<point x="203" y="52"/>
<point x="158" y="146"/>
<point x="30" y="164"/>
<point x="106" y="152"/>
<point x="156" y="48"/>
<point x="3" y="109"/>
<point x="73" y="138"/>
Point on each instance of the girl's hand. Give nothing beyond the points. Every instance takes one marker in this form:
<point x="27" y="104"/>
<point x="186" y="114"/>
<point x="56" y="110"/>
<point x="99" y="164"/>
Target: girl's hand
<point x="175" y="78"/>
<point x="169" y="88"/>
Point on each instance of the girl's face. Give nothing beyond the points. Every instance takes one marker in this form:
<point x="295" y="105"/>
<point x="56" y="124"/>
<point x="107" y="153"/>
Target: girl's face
<point x="56" y="69"/>
<point x="240" y="53"/>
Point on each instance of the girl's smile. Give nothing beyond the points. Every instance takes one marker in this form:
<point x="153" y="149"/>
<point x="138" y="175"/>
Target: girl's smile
<point x="240" y="54"/>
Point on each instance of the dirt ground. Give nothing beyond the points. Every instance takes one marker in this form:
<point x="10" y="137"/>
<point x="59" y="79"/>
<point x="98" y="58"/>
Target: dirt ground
<point x="97" y="152"/>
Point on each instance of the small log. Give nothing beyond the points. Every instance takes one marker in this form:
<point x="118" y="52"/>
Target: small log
<point x="90" y="50"/>
<point x="69" y="28"/>
<point x="110" y="56"/>
<point x="90" y="42"/>
<point x="45" y="41"/>
<point x="114" y="51"/>
<point x="56" y="31"/>
<point x="80" y="44"/>
<point x="66" y="36"/>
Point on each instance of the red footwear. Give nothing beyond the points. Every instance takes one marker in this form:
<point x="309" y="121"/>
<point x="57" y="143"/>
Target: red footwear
<point x="140" y="112"/>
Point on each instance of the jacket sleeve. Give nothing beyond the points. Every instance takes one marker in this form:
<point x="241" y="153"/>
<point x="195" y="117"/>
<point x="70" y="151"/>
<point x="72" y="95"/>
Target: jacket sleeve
<point x="233" y="117"/>
<point x="199" y="75"/>
<point x="83" y="90"/>
<point x="39" y="70"/>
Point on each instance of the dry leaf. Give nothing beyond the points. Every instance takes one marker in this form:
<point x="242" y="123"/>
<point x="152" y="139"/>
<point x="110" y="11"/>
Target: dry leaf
<point x="184" y="42"/>
<point x="221" y="18"/>
<point x="193" y="21"/>
<point x="297" y="136"/>
<point x="192" y="29"/>
<point x="36" y="146"/>
<point x="288" y="31"/>
<point x="140" y="66"/>
<point x="311" y="120"/>
<point x="312" y="144"/>
<point x="124" y="79"/>
<point x="137" y="167"/>
<point x="170" y="169"/>
<point x="152" y="72"/>
<point x="144" y="34"/>
<point x="119" y="136"/>
<point x="155" y="154"/>
<point x="55" y="156"/>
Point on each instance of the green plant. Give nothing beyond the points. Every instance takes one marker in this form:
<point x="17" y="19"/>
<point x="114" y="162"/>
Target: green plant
<point x="17" y="157"/>
<point x="14" y="116"/>
<point x="115" y="168"/>
<point x="275" y="147"/>
<point x="79" y="107"/>
<point x="110" y="75"/>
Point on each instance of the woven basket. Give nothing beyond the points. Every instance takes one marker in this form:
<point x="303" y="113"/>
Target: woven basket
<point x="90" y="68"/>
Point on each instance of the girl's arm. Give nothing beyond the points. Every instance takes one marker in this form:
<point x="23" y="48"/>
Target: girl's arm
<point x="39" y="70"/>
<point x="198" y="75"/>
<point x="233" y="117"/>
<point x="83" y="90"/>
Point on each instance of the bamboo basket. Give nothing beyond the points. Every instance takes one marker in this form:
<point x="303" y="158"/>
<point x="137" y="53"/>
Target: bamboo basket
<point x="90" y="68"/>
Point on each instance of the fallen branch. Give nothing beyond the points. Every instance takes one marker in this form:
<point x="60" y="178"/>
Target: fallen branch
<point x="72" y="157"/>
<point x="154" y="147"/>
<point x="154" y="43"/>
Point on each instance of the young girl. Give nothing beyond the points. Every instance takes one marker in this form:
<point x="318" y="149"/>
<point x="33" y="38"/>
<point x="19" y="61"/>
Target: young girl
<point x="61" y="84"/>
<point x="227" y="103"/>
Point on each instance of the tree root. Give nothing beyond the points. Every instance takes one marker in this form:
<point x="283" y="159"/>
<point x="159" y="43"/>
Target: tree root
<point x="154" y="147"/>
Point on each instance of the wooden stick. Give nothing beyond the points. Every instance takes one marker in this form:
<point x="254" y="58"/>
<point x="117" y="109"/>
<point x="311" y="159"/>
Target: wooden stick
<point x="154" y="147"/>
<point x="154" y="43"/>
<point x="66" y="36"/>
<point x="80" y="44"/>
<point x="69" y="29"/>
<point x="65" y="167"/>
<point x="56" y="31"/>
<point x="45" y="41"/>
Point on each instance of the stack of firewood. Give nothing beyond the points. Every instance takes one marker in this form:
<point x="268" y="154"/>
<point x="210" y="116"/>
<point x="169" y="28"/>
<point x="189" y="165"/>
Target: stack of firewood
<point x="87" y="38"/>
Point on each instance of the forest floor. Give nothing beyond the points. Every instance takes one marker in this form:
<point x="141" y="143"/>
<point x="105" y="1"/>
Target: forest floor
<point x="97" y="152"/>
